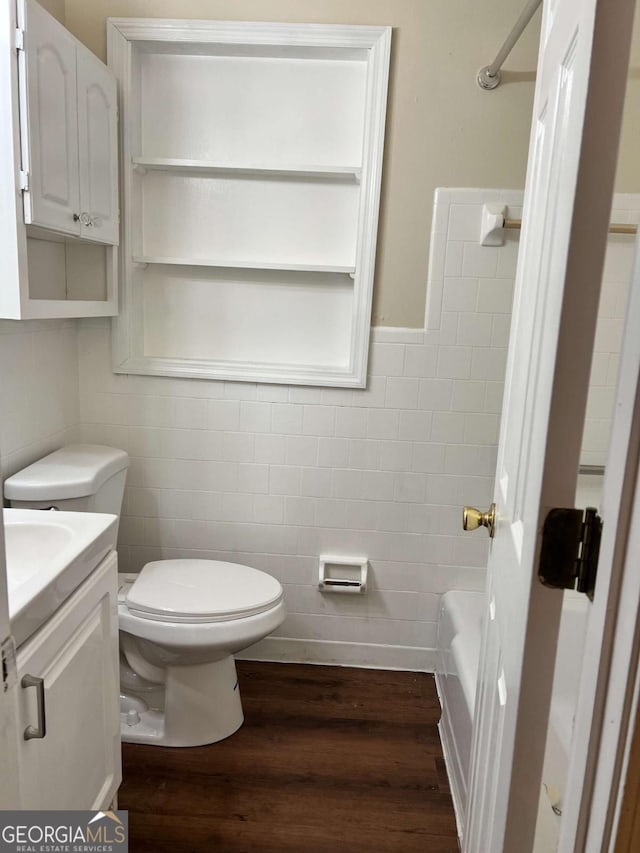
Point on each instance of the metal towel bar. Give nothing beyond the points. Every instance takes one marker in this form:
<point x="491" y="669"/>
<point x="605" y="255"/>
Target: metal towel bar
<point x="614" y="228"/>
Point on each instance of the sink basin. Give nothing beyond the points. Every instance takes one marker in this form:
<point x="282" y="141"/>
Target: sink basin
<point x="49" y="554"/>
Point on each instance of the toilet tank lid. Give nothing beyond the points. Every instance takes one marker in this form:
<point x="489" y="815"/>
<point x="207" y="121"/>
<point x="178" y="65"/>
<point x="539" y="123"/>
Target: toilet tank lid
<point x="75" y="471"/>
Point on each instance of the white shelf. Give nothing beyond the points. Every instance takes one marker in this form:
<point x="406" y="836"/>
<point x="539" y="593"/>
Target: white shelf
<point x="212" y="262"/>
<point x="250" y="202"/>
<point x="202" y="167"/>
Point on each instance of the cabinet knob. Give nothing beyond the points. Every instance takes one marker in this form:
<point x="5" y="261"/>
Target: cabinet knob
<point x="472" y="518"/>
<point x="85" y="219"/>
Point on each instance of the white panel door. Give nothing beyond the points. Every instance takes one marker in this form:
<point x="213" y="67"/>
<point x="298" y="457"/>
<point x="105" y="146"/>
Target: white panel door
<point x="98" y="150"/>
<point x="49" y="122"/>
<point x="568" y="195"/>
<point x="75" y="653"/>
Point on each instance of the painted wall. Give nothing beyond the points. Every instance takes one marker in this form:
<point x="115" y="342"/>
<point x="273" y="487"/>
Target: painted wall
<point x="442" y="130"/>
<point x="55" y="8"/>
<point x="628" y="176"/>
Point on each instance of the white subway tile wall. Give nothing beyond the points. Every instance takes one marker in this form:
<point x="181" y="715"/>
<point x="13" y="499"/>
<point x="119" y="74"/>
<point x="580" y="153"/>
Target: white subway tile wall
<point x="275" y="476"/>
<point x="39" y="408"/>
<point x="475" y="284"/>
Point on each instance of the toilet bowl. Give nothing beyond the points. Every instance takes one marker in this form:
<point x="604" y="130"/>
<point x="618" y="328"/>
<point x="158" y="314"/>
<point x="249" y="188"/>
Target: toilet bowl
<point x="180" y="621"/>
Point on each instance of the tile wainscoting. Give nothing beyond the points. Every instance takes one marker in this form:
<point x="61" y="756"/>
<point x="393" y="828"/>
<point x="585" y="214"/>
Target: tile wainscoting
<point x="39" y="407"/>
<point x="465" y="276"/>
<point x="275" y="475"/>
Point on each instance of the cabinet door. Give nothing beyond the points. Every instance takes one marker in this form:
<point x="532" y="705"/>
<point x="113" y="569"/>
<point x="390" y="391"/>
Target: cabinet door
<point x="76" y="765"/>
<point x="98" y="149"/>
<point x="50" y="135"/>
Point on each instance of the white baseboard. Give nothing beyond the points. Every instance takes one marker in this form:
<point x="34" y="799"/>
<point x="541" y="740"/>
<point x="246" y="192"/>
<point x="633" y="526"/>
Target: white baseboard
<point x="365" y="655"/>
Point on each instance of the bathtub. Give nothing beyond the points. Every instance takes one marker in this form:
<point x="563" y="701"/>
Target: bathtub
<point x="459" y="631"/>
<point x="458" y="649"/>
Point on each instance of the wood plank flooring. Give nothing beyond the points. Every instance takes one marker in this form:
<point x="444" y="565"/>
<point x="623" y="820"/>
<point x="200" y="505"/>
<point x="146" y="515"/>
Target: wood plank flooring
<point x="328" y="759"/>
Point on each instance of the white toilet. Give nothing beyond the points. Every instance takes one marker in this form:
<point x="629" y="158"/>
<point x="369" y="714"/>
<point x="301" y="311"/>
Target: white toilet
<point x="181" y="621"/>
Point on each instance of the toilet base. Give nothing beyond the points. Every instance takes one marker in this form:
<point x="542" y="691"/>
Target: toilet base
<point x="197" y="705"/>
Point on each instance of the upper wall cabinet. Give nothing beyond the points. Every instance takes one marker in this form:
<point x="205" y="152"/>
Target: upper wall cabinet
<point x="97" y="150"/>
<point x="69" y="133"/>
<point x="49" y="124"/>
<point x="252" y="157"/>
<point x="60" y="159"/>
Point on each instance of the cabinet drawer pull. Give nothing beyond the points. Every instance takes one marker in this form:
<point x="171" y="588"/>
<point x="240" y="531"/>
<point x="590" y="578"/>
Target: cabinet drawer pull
<point x="40" y="730"/>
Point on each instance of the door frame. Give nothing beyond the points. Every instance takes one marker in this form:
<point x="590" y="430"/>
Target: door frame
<point x="606" y="70"/>
<point x="627" y="813"/>
<point x="604" y="729"/>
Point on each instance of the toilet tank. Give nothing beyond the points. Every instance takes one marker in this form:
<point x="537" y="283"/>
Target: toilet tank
<point x="76" y="478"/>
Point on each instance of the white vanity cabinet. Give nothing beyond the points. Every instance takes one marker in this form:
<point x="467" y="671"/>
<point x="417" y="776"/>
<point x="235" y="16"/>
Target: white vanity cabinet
<point x="59" y="210"/>
<point x="69" y="668"/>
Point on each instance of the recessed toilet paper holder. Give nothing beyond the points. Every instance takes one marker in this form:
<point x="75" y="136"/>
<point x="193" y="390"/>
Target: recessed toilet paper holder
<point x="343" y="574"/>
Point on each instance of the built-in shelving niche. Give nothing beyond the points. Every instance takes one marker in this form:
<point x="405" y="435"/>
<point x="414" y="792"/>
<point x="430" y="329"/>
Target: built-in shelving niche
<point x="252" y="158"/>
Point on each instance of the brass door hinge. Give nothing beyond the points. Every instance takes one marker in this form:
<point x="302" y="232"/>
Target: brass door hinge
<point x="570" y="549"/>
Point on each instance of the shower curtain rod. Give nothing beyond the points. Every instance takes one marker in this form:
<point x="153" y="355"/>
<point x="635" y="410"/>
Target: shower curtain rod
<point x="489" y="77"/>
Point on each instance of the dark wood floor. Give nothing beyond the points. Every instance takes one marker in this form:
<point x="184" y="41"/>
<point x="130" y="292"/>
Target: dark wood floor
<point x="328" y="759"/>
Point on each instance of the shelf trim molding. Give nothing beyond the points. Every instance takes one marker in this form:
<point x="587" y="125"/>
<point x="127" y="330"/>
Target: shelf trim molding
<point x="241" y="32"/>
<point x="242" y="265"/>
<point x="246" y="371"/>
<point x="200" y="167"/>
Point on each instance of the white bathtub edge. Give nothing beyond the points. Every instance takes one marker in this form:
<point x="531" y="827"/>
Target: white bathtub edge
<point x="452" y="764"/>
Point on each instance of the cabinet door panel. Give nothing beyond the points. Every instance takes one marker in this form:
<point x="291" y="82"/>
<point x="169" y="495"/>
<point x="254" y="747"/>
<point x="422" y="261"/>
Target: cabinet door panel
<point x="97" y="143"/>
<point x="75" y="653"/>
<point x="52" y="125"/>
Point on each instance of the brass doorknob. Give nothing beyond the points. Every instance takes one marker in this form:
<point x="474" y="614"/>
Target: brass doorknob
<point x="472" y="518"/>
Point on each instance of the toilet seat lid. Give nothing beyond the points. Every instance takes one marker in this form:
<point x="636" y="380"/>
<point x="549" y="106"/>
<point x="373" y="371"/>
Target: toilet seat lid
<point x="201" y="591"/>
